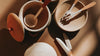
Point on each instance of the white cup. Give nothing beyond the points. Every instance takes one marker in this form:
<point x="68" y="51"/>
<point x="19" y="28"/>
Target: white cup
<point x="32" y="7"/>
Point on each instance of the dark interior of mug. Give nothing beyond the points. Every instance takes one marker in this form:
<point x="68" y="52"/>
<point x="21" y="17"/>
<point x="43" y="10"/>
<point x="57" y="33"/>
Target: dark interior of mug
<point x="32" y="8"/>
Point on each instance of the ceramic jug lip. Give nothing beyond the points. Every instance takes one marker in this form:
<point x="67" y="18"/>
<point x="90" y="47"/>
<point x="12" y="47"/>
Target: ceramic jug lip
<point x="34" y="30"/>
<point x="86" y="18"/>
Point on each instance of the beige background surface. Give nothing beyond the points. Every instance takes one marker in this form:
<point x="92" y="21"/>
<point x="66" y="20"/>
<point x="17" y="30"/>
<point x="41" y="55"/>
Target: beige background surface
<point x="85" y="43"/>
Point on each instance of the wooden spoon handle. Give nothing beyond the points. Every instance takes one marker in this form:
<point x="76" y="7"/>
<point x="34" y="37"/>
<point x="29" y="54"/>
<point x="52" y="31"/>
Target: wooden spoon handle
<point x="89" y="5"/>
<point x="38" y="13"/>
<point x="46" y="2"/>
<point x="75" y="1"/>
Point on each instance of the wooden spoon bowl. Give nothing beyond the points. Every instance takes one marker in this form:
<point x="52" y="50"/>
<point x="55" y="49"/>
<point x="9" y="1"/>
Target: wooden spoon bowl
<point x="30" y="21"/>
<point x="32" y="7"/>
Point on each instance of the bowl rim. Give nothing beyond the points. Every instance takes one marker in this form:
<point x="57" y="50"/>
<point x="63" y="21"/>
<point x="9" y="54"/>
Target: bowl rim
<point x="80" y="26"/>
<point x="34" y="30"/>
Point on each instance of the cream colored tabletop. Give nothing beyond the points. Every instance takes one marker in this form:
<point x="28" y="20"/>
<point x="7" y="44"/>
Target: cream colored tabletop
<point x="85" y="43"/>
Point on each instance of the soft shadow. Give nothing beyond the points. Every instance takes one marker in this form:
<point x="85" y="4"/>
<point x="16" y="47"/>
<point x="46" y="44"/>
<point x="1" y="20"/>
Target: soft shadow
<point x="13" y="48"/>
<point x="31" y="37"/>
<point x="8" y="46"/>
<point x="52" y="5"/>
<point x="55" y="31"/>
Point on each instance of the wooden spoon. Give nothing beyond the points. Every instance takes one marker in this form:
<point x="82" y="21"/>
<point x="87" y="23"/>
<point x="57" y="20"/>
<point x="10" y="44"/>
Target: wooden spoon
<point x="32" y="19"/>
<point x="68" y="18"/>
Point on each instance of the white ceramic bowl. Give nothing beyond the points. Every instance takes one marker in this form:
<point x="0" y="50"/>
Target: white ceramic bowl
<point x="40" y="49"/>
<point x="32" y="7"/>
<point x="75" y="24"/>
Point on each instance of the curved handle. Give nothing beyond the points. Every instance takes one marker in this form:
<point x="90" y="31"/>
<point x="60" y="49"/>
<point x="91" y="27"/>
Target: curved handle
<point x="46" y="2"/>
<point x="89" y="5"/>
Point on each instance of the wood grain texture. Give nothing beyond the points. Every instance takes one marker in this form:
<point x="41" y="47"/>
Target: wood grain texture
<point x="15" y="24"/>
